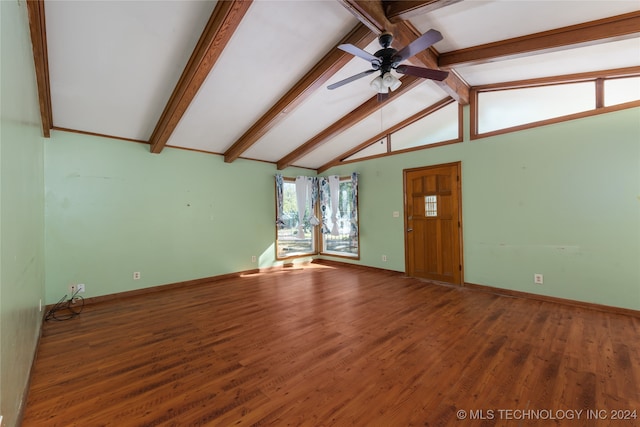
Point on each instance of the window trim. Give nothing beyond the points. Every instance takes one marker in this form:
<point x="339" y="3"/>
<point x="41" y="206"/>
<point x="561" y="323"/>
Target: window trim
<point x="598" y="78"/>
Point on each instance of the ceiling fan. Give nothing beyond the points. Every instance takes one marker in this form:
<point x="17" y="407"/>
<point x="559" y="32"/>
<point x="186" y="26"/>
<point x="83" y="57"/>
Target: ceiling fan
<point x="387" y="59"/>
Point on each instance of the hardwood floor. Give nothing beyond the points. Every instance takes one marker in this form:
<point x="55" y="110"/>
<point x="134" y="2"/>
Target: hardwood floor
<point x="325" y="346"/>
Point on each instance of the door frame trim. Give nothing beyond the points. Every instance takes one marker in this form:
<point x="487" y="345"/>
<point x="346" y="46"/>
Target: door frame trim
<point x="458" y="165"/>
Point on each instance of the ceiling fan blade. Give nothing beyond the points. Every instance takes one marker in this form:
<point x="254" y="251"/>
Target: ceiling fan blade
<point x="350" y="79"/>
<point x="356" y="51"/>
<point x="426" y="73"/>
<point x="419" y="44"/>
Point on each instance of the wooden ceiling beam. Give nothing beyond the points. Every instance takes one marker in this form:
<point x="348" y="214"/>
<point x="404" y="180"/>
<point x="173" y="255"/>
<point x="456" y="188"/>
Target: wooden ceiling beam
<point x="453" y="85"/>
<point x="224" y="20"/>
<point x="594" y="32"/>
<point x="371" y="14"/>
<point x="331" y="63"/>
<point x="359" y="113"/>
<point x="402" y="10"/>
<point x="37" y="28"/>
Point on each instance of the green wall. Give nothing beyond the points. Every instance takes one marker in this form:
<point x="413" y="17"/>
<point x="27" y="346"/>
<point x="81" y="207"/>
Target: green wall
<point x="112" y="209"/>
<point x="562" y="200"/>
<point x="21" y="210"/>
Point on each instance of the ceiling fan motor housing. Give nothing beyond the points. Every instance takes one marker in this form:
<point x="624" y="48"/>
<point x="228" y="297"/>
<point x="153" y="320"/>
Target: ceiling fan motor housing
<point x="388" y="58"/>
<point x="385" y="39"/>
<point x="386" y="54"/>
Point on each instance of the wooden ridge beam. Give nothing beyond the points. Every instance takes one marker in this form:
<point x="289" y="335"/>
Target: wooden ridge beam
<point x="370" y="13"/>
<point x="333" y="61"/>
<point x="402" y="10"/>
<point x="223" y="22"/>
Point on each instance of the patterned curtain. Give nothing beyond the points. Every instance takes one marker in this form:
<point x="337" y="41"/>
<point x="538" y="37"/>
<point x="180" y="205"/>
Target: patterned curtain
<point x="313" y="182"/>
<point x="324" y="204"/>
<point x="329" y="204"/>
<point x="307" y="199"/>
<point x="324" y="190"/>
<point x="354" y="206"/>
<point x="279" y="202"/>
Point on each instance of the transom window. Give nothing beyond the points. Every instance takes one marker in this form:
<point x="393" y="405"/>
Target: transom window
<point x="620" y="91"/>
<point x="508" y="107"/>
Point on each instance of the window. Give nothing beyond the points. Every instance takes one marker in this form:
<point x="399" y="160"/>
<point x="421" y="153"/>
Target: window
<point x="339" y="207"/>
<point x="375" y="149"/>
<point x="511" y="106"/>
<point x="619" y="91"/>
<point x="440" y="126"/>
<point x="294" y="238"/>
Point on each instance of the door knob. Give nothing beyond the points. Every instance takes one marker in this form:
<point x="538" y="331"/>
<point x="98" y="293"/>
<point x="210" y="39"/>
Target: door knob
<point x="409" y="229"/>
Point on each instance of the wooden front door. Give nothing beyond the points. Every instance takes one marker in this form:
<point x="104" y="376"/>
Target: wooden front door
<point x="433" y="229"/>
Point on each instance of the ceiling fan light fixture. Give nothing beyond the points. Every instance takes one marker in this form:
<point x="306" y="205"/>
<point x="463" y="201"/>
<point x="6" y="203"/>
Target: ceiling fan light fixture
<point x="385" y="82"/>
<point x="387" y="79"/>
<point x="378" y="85"/>
<point x="391" y="81"/>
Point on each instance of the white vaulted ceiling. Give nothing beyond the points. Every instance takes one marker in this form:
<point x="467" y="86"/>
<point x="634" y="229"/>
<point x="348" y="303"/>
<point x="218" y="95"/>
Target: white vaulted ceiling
<point x="113" y="66"/>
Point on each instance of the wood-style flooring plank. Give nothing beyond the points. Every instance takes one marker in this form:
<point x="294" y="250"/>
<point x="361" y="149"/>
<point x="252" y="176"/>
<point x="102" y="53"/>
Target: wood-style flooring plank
<point x="327" y="346"/>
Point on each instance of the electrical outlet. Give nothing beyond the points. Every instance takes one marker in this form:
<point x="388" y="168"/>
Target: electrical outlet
<point x="136" y="275"/>
<point x="384" y="258"/>
<point x="80" y="288"/>
<point x="538" y="279"/>
<point x="253" y="258"/>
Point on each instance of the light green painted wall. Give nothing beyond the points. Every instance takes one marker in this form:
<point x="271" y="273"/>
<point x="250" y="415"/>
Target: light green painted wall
<point x="562" y="200"/>
<point x="21" y="210"/>
<point x="113" y="208"/>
